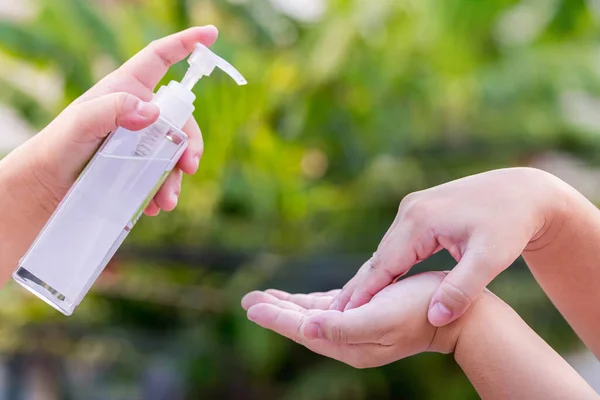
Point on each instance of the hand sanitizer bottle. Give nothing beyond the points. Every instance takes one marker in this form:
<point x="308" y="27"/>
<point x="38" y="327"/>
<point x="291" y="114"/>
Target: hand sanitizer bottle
<point x="108" y="198"/>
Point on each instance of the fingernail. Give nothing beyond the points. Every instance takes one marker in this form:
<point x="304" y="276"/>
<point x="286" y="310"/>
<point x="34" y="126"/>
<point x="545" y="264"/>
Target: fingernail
<point x="197" y="161"/>
<point x="146" y="110"/>
<point x="439" y="314"/>
<point x="174" y="199"/>
<point x="313" y="331"/>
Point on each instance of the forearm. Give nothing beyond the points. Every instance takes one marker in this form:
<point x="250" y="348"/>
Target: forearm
<point x="503" y="358"/>
<point x="566" y="263"/>
<point x="26" y="207"/>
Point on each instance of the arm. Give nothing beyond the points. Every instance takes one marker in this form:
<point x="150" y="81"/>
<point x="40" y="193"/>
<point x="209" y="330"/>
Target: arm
<point x="501" y="355"/>
<point x="26" y="208"/>
<point x="486" y="222"/>
<point x="505" y="359"/>
<point x="36" y="176"/>
<point x="566" y="263"/>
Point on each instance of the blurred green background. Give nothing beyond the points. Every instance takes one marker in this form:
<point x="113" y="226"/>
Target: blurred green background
<point x="350" y="106"/>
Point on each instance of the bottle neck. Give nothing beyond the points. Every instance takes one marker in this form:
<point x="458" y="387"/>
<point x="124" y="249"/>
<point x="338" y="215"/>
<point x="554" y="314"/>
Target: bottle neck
<point x="176" y="103"/>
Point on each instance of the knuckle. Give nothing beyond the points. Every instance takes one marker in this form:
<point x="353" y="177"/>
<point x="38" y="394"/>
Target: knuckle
<point x="294" y="298"/>
<point x="412" y="207"/>
<point x="73" y="118"/>
<point x="121" y="101"/>
<point x="376" y="265"/>
<point x="155" y="47"/>
<point x="278" y="303"/>
<point x="298" y="335"/>
<point x="272" y="292"/>
<point x="454" y="294"/>
<point x="338" y="334"/>
<point x="277" y="317"/>
<point x="408" y="200"/>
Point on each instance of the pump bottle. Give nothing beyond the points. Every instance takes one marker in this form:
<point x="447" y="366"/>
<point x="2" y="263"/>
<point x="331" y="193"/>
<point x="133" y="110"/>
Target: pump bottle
<point x="110" y="195"/>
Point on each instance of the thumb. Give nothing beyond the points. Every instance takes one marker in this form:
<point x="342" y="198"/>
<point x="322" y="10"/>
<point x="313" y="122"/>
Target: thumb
<point x="356" y="326"/>
<point x="92" y="120"/>
<point x="460" y="287"/>
<point x="66" y="145"/>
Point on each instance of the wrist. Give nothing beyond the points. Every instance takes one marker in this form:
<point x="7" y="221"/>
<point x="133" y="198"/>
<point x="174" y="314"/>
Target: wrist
<point x="476" y="324"/>
<point x="446" y="338"/>
<point x="553" y="204"/>
<point x="28" y="194"/>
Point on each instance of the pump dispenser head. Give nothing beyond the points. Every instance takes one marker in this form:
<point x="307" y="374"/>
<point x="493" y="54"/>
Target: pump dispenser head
<point x="203" y="62"/>
<point x="176" y="100"/>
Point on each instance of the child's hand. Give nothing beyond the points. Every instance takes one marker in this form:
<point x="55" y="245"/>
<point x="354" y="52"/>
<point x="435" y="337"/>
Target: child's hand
<point x="485" y="222"/>
<point x="392" y="326"/>
<point x="496" y="349"/>
<point x="56" y="156"/>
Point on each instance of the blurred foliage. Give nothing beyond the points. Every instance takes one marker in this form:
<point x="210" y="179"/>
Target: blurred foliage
<point x="302" y="174"/>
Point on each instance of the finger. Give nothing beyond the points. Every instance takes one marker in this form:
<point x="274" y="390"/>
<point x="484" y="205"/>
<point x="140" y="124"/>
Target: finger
<point x="390" y="230"/>
<point x="168" y="195"/>
<point x="258" y="297"/>
<point x="152" y="63"/>
<point x="286" y="322"/>
<point x="152" y="210"/>
<point x="93" y="120"/>
<point x="462" y="285"/>
<point x="343" y="297"/>
<point x="405" y="247"/>
<point x="77" y="133"/>
<point x="331" y="293"/>
<point x="190" y="160"/>
<point x="348" y="290"/>
<point x="140" y="74"/>
<point x="291" y="324"/>
<point x="355" y="326"/>
<point x="306" y="301"/>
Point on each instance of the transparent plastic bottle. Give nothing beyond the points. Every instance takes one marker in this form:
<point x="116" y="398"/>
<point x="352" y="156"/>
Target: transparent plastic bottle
<point x="103" y="205"/>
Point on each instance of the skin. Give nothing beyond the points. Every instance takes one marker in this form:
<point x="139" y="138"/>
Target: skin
<point x="37" y="175"/>
<point x="485" y="222"/>
<point x="499" y="353"/>
<point x="565" y="263"/>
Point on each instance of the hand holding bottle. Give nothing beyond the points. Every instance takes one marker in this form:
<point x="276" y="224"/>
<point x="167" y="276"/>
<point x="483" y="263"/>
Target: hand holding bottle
<point x="130" y="172"/>
<point x="37" y="175"/>
<point x="58" y="154"/>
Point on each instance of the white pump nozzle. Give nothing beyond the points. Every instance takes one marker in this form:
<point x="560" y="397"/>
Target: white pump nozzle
<point x="176" y="100"/>
<point x="203" y="62"/>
